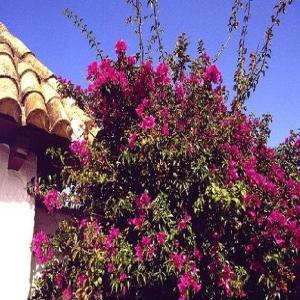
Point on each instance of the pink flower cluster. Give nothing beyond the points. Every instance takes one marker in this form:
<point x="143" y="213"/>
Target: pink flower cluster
<point x="279" y="227"/>
<point x="132" y="140"/>
<point x="81" y="279"/>
<point x="186" y="282"/>
<point x="60" y="279"/>
<point x="224" y="279"/>
<point x="213" y="74"/>
<point x="143" y="201"/>
<point x="67" y="294"/>
<point x="148" y="122"/>
<point x="179" y="260"/>
<point x="81" y="149"/>
<point x="147" y="247"/>
<point x="41" y="247"/>
<point x="52" y="200"/>
<point x="161" y="237"/>
<point x="256" y="179"/>
<point x="142" y="106"/>
<point x="137" y="222"/>
<point x="182" y="223"/>
<point x="104" y="74"/>
<point x="113" y="234"/>
<point x="120" y="47"/>
<point x="161" y="74"/>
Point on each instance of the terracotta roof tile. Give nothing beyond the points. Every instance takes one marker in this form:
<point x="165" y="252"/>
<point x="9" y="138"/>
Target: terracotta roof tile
<point x="28" y="92"/>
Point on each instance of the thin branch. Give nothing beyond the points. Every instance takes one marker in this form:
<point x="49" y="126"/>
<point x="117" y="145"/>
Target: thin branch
<point x="233" y="24"/>
<point x="265" y="52"/>
<point x="157" y="28"/>
<point x="79" y="23"/>
<point x="223" y="47"/>
<point x="241" y="83"/>
<point x="247" y="83"/>
<point x="138" y="7"/>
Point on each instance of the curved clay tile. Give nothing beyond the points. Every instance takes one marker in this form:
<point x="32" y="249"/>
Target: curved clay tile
<point x="42" y="71"/>
<point x="35" y="111"/>
<point x="9" y="104"/>
<point x="29" y="80"/>
<point x="32" y="97"/>
<point x="7" y="66"/>
<point x="19" y="48"/>
<point x="59" y="121"/>
<point x="49" y="92"/>
<point x="6" y="49"/>
<point x="60" y="124"/>
<point x="53" y="82"/>
<point x="9" y="92"/>
<point x="29" y="93"/>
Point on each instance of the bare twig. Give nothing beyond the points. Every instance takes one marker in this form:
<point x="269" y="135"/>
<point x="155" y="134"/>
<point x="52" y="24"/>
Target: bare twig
<point x="233" y="24"/>
<point x="157" y="28"/>
<point x="79" y="22"/>
<point x="138" y="7"/>
<point x="245" y="83"/>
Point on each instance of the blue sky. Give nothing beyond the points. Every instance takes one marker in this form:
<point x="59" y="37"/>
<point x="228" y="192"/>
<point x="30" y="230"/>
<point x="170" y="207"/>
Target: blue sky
<point x="40" y="24"/>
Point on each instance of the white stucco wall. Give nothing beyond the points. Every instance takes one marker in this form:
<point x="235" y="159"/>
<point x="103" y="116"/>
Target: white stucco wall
<point x="17" y="211"/>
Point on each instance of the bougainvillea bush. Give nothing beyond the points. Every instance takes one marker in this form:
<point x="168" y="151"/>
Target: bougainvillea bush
<point x="177" y="197"/>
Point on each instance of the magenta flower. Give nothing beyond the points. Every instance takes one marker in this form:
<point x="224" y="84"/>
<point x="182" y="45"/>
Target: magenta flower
<point x="296" y="239"/>
<point x="145" y="102"/>
<point x="123" y="276"/>
<point x="144" y="201"/>
<point x="138" y="252"/>
<point x="131" y="60"/>
<point x="165" y="112"/>
<point x="165" y="130"/>
<point x="132" y="140"/>
<point x="111" y="268"/>
<point x="107" y="74"/>
<point x="81" y="149"/>
<point x="161" y="73"/>
<point x="146" y="241"/>
<point x="197" y="253"/>
<point x="213" y="74"/>
<point x="249" y="248"/>
<point x="92" y="70"/>
<point x="276" y="217"/>
<point x="148" y="122"/>
<point x="67" y="294"/>
<point x="51" y="200"/>
<point x="150" y="252"/>
<point x="161" y="237"/>
<point x="37" y="188"/>
<point x="182" y="224"/>
<point x="120" y="47"/>
<point x="83" y="223"/>
<point x="81" y="280"/>
<point x="225" y="279"/>
<point x="59" y="279"/>
<point x="114" y="232"/>
<point x="41" y="247"/>
<point x="137" y="222"/>
<point x="141" y="107"/>
<point x="179" y="260"/>
<point x="139" y="110"/>
<point x="179" y="90"/>
<point x="187" y="281"/>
